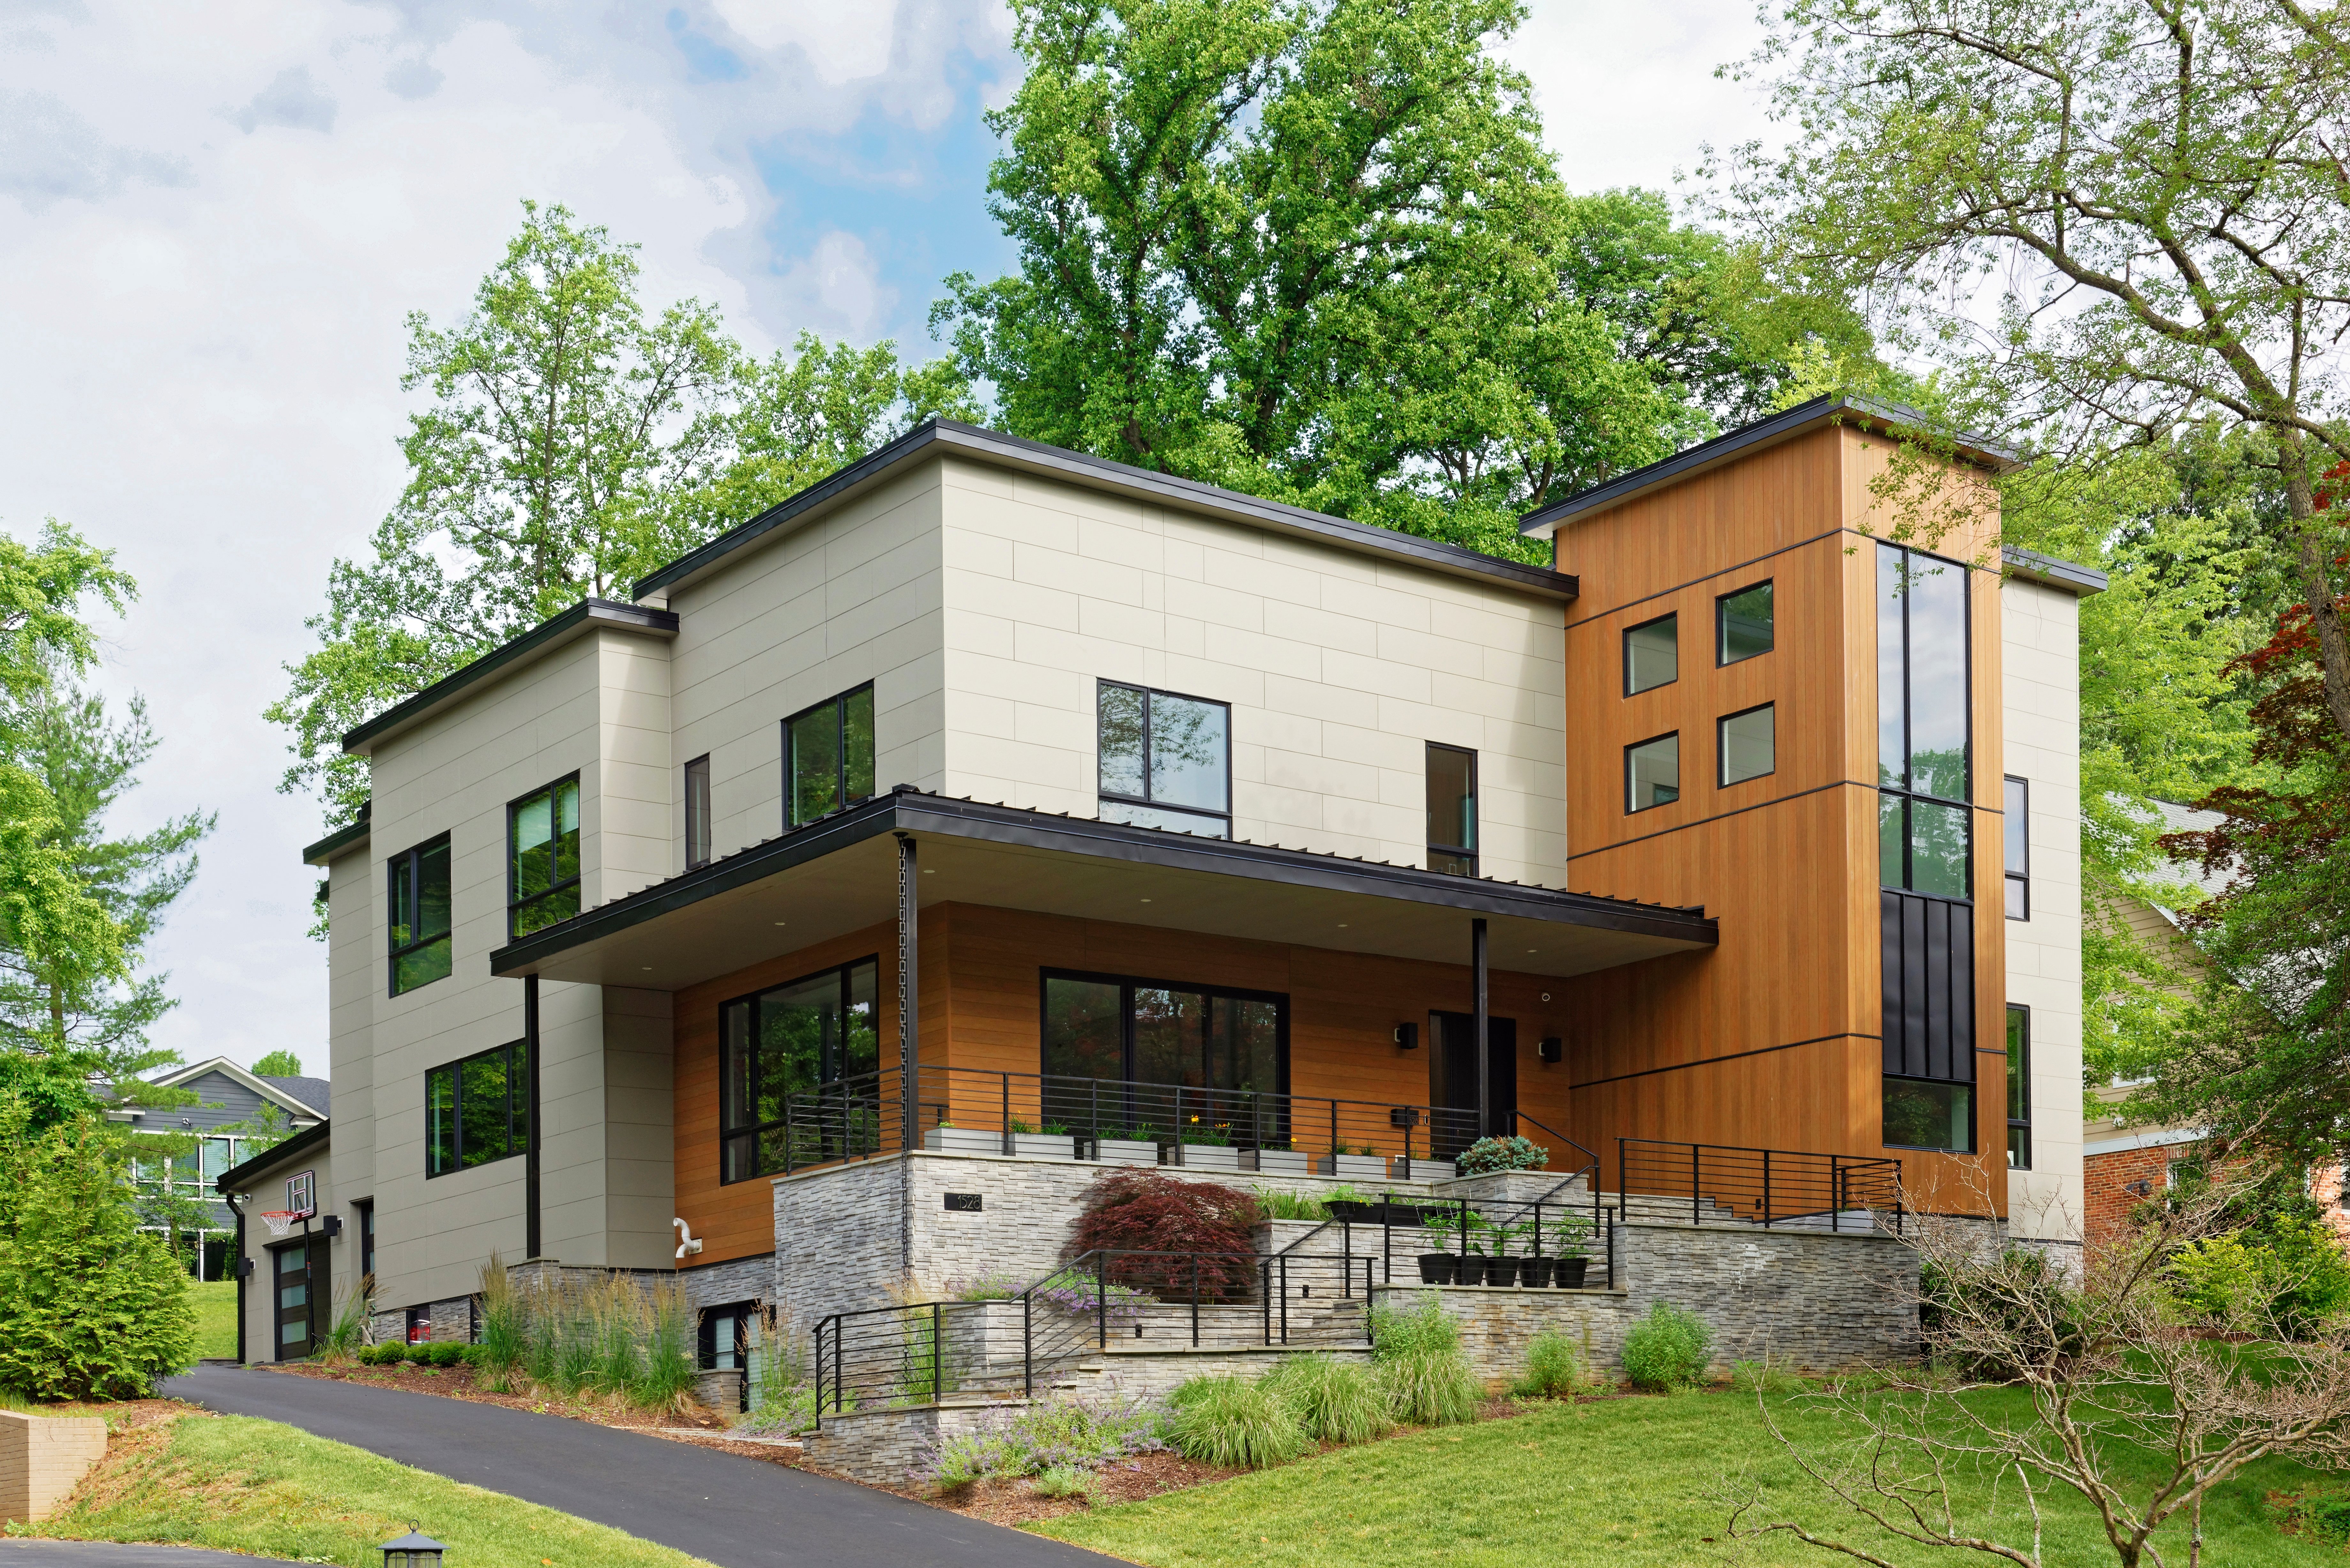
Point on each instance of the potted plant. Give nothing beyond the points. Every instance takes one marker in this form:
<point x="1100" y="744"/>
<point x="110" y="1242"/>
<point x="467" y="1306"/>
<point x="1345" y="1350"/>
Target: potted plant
<point x="1353" y="1164"/>
<point x="1278" y="1159"/>
<point x="1127" y="1146"/>
<point x="948" y="1138"/>
<point x="1533" y="1269"/>
<point x="1054" y="1142"/>
<point x="1571" y="1236"/>
<point x="1205" y="1145"/>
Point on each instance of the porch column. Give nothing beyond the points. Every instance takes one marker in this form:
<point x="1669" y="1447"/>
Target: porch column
<point x="1477" y="1030"/>
<point x="909" y="1000"/>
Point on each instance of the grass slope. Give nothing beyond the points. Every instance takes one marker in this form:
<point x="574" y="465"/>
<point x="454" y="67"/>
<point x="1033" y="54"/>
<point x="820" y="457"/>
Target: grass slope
<point x="1626" y="1483"/>
<point x="215" y="1303"/>
<point x="241" y="1485"/>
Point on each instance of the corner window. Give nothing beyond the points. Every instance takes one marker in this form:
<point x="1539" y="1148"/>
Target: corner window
<point x="1653" y="654"/>
<point x="800" y="1073"/>
<point x="1652" y="773"/>
<point x="543" y="857"/>
<point x="1924" y="1113"/>
<point x="417" y="880"/>
<point x="1747" y="744"/>
<point x="1452" y="810"/>
<point x="1923" y="728"/>
<point x="1743" y="625"/>
<point x="2019" y="1087"/>
<point x="1166" y="761"/>
<point x="697" y="812"/>
<point x="2016" y="834"/>
<point x="828" y="757"/>
<point x="476" y="1110"/>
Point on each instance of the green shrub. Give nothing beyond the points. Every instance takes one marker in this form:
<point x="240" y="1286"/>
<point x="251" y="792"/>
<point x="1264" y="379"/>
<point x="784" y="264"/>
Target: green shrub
<point x="1488" y="1154"/>
<point x="2291" y="1281"/>
<point x="438" y="1352"/>
<point x="1278" y="1204"/>
<point x="1553" y="1369"/>
<point x="1426" y="1378"/>
<point x="90" y="1307"/>
<point x="1335" y="1401"/>
<point x="389" y="1353"/>
<point x="1235" y="1423"/>
<point x="1667" y="1349"/>
<point x="1067" y="1481"/>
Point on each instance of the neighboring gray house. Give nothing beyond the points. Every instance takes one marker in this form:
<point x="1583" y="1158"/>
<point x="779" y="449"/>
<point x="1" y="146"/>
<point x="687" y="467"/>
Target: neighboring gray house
<point x="227" y="1098"/>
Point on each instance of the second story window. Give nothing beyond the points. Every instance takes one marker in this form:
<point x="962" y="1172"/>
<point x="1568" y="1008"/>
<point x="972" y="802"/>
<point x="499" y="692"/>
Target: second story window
<point x="476" y="1110"/>
<point x="1743" y="625"/>
<point x="417" y="880"/>
<point x="1166" y="761"/>
<point x="1922" y="725"/>
<point x="543" y="856"/>
<point x="828" y="757"/>
<point x="1452" y="810"/>
<point x="2016" y="832"/>
<point x="1653" y="654"/>
<point x="1747" y="744"/>
<point x="1652" y="773"/>
<point x="697" y="812"/>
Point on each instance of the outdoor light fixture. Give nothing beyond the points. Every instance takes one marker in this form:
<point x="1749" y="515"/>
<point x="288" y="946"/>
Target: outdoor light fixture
<point x="1407" y="1036"/>
<point x="1550" y="1048"/>
<point x="412" y="1550"/>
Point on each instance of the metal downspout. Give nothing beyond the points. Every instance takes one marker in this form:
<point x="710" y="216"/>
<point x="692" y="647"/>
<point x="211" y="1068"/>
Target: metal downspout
<point x="238" y="1209"/>
<point x="909" y="1042"/>
<point x="1484" y="1064"/>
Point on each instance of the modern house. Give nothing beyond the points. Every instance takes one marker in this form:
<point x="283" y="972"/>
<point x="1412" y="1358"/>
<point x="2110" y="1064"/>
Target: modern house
<point x="989" y="811"/>
<point x="233" y="1112"/>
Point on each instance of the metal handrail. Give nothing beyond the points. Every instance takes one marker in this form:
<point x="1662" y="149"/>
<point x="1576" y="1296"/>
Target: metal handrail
<point x="1764" y="1187"/>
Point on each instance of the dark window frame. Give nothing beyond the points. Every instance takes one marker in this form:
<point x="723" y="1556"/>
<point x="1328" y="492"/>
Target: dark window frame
<point x="705" y="1338"/>
<point x="1129" y="984"/>
<point x="753" y="1129"/>
<point x="517" y="1116"/>
<point x="1460" y="852"/>
<point x="1680" y="793"/>
<point x="2019" y="1087"/>
<point x="1625" y="649"/>
<point x="1145" y="800"/>
<point x="395" y="951"/>
<point x="1905" y="791"/>
<point x="838" y="702"/>
<point x="1722" y="779"/>
<point x="554" y="889"/>
<point x="365" y="1213"/>
<point x="697" y="812"/>
<point x="1722" y="624"/>
<point x="1974" y="1113"/>
<point x="2015" y="834"/>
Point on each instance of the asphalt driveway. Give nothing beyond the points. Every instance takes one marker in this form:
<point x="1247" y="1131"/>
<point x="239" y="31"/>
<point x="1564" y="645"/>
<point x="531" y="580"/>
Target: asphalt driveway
<point x="730" y="1510"/>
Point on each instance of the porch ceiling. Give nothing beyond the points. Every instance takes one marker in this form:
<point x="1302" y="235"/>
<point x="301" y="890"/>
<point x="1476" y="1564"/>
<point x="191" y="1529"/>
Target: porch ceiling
<point x="840" y="875"/>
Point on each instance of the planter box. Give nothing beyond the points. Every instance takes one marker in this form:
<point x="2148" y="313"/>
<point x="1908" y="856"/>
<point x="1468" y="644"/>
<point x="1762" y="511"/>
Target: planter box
<point x="1352" y="1167"/>
<point x="1044" y="1145"/>
<point x="1421" y="1170"/>
<point x="1278" y="1161"/>
<point x="963" y="1140"/>
<point x="1206" y="1157"/>
<point x="1126" y="1151"/>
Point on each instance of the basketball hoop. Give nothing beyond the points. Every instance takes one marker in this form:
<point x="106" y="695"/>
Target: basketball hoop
<point x="280" y="1221"/>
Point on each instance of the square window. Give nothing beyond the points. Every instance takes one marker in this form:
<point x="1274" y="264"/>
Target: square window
<point x="1924" y="1113"/>
<point x="1742" y="624"/>
<point x="1652" y="654"/>
<point x="1164" y="761"/>
<point x="1748" y="744"/>
<point x="1652" y="773"/>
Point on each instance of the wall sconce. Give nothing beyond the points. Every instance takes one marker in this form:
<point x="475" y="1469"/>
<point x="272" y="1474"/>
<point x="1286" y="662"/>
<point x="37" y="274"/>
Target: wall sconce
<point x="1550" y="1048"/>
<point x="1407" y="1036"/>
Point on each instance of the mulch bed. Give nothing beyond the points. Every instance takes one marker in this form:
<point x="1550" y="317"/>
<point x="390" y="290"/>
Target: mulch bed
<point x="1010" y="1501"/>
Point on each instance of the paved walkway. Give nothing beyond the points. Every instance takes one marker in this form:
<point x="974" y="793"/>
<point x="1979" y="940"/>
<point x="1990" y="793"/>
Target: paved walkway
<point x="106" y="1554"/>
<point x="727" y="1509"/>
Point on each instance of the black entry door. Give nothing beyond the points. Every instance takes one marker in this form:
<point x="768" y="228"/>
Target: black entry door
<point x="300" y="1276"/>
<point x="1453" y="1077"/>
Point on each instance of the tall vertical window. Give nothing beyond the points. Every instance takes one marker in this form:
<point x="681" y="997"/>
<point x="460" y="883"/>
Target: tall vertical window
<point x="828" y="757"/>
<point x="1652" y="773"/>
<point x="1922" y="722"/>
<point x="417" y="880"/>
<point x="543" y="857"/>
<point x="1452" y="810"/>
<point x="2016" y="834"/>
<point x="1743" y="625"/>
<point x="697" y="812"/>
<point x="779" y="1051"/>
<point x="476" y="1110"/>
<point x="1166" y="761"/>
<point x="1747" y="744"/>
<point x="2019" y="1087"/>
<point x="366" y="1217"/>
<point x="1653" y="654"/>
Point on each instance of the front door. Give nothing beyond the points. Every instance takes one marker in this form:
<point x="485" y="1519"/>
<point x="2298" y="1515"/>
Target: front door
<point x="300" y="1276"/>
<point x="1452" y="1076"/>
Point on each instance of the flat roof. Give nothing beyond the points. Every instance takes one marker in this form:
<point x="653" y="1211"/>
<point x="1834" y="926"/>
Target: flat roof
<point x="2052" y="572"/>
<point x="1837" y="408"/>
<point x="1003" y="451"/>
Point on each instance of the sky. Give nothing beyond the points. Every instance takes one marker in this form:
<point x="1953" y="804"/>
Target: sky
<point x="215" y="220"/>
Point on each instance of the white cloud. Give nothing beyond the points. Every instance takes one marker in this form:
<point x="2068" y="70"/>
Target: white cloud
<point x="291" y="99"/>
<point x="48" y="153"/>
<point x="843" y="42"/>
<point x="837" y="289"/>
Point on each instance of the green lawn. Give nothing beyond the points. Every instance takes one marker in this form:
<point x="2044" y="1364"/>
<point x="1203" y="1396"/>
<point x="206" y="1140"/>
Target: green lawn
<point x="1623" y="1482"/>
<point x="215" y="1317"/>
<point x="239" y="1485"/>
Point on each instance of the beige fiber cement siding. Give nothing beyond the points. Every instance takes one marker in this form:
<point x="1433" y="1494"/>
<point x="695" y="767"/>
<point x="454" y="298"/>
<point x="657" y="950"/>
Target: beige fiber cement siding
<point x="2040" y="631"/>
<point x="351" y="998"/>
<point x="1339" y="667"/>
<point x="848" y="598"/>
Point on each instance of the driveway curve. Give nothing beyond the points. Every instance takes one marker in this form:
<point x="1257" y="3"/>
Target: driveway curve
<point x="733" y="1511"/>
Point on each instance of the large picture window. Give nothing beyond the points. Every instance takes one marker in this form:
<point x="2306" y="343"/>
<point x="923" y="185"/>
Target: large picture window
<point x="418" y="881"/>
<point x="800" y="1070"/>
<point x="1144" y="1037"/>
<point x="543" y="857"/>
<point x="1165" y="760"/>
<point x="477" y="1110"/>
<point x="828" y="757"/>
<point x="1922" y="723"/>
<point x="1452" y="810"/>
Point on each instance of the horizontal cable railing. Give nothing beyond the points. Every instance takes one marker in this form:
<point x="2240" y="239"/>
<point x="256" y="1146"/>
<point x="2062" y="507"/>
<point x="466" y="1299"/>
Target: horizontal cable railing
<point x="1716" y="1184"/>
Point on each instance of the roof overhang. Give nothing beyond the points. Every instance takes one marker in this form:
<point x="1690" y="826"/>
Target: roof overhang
<point x="337" y="844"/>
<point x="2050" y="571"/>
<point x="587" y="616"/>
<point x="1867" y="412"/>
<point x="838" y="875"/>
<point x="1000" y="451"/>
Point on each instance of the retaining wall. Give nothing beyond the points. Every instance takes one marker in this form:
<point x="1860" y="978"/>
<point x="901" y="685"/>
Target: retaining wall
<point x="43" y="1459"/>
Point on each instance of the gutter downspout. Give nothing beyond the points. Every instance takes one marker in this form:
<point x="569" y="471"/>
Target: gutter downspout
<point x="909" y="1038"/>
<point x="532" y="1238"/>
<point x="238" y="1209"/>
<point x="1484" y="1062"/>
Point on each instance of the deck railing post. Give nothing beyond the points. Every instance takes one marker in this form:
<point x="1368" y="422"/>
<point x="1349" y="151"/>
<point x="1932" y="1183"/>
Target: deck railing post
<point x="1179" y="1124"/>
<point x="1027" y="1345"/>
<point x="1333" y="1138"/>
<point x="1285" y="1298"/>
<point x="1836" y="1193"/>
<point x="1264" y="1296"/>
<point x="1101" y="1300"/>
<point x="1195" y="1300"/>
<point x="839" y="1393"/>
<point x="1003" y="1114"/>
<point x="1695" y="1215"/>
<point x="937" y="1357"/>
<point x="1766" y="1188"/>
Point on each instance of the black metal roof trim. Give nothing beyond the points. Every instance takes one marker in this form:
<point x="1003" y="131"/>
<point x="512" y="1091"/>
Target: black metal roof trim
<point x="996" y="446"/>
<point x="909" y="810"/>
<point x="538" y="640"/>
<point x="300" y="1143"/>
<point x="1763" y="433"/>
<point x="336" y="842"/>
<point x="2071" y="576"/>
